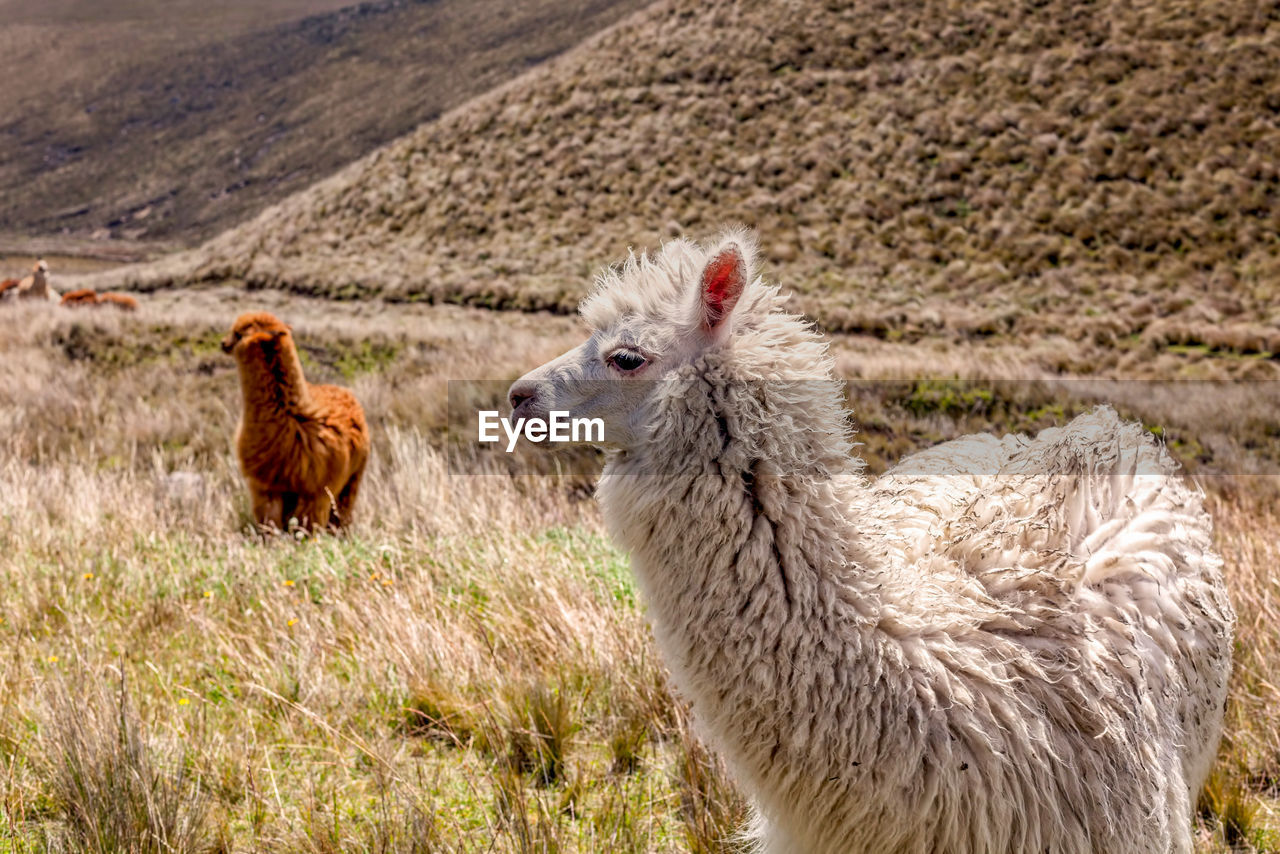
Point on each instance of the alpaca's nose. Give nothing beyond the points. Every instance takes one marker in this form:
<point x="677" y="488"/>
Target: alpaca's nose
<point x="521" y="393"/>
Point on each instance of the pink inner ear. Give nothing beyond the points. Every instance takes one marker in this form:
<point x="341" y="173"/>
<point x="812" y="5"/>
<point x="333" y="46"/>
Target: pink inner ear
<point x="721" y="286"/>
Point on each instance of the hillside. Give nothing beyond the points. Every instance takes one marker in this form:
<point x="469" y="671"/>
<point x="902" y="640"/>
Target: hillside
<point x="1105" y="173"/>
<point x="48" y="44"/>
<point x="128" y="120"/>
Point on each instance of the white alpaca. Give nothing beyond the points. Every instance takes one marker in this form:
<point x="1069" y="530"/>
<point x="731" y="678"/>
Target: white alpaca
<point x="35" y="286"/>
<point x="1016" y="645"/>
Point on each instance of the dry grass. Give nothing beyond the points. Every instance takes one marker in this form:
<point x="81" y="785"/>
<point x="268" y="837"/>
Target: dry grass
<point x="469" y="670"/>
<point x="1104" y="179"/>
<point x="1242" y="799"/>
<point x="119" y="793"/>
<point x="289" y="671"/>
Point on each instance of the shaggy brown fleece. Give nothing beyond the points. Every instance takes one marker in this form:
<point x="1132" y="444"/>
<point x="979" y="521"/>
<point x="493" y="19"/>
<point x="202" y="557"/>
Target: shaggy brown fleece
<point x="302" y="447"/>
<point x="120" y="301"/>
<point x="84" y="296"/>
<point x="87" y="296"/>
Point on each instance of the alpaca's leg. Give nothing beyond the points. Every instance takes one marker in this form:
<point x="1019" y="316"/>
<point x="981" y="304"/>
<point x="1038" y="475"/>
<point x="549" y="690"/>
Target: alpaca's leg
<point x="314" y="510"/>
<point x="291" y="507"/>
<point x="268" y="509"/>
<point x="346" y="501"/>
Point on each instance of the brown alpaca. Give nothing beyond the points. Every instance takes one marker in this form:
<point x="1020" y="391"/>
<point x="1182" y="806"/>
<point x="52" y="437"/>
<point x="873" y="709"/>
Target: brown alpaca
<point x="302" y="447"/>
<point x="87" y="296"/>
<point x="124" y="302"/>
<point x="84" y="296"/>
<point x="8" y="284"/>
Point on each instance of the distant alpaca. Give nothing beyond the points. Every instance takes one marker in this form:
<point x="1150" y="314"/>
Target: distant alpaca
<point x="124" y="302"/>
<point x="33" y="287"/>
<point x="1016" y="645"/>
<point x="8" y="285"/>
<point x="88" y="297"/>
<point x="302" y="447"/>
<point x="81" y="297"/>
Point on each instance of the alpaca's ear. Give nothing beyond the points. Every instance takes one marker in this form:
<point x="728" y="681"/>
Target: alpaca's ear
<point x="723" y="280"/>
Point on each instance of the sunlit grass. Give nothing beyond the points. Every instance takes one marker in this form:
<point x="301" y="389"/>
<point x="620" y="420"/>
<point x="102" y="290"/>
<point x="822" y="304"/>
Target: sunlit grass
<point x="468" y="670"/>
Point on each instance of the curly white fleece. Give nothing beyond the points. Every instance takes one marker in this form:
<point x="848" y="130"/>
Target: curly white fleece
<point x="1002" y="645"/>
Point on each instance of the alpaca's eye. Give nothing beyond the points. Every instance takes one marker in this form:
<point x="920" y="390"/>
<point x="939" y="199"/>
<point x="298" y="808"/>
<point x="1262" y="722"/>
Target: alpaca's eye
<point x="627" y="361"/>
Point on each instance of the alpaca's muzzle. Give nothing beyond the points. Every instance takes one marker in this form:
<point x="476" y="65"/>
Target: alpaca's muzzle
<point x="522" y="394"/>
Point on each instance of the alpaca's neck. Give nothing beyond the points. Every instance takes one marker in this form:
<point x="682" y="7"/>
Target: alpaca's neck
<point x="730" y="465"/>
<point x="770" y="603"/>
<point x="271" y="382"/>
<point x="751" y="543"/>
<point x="765" y="589"/>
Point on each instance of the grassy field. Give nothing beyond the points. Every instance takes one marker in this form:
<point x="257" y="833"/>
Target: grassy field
<point x="469" y="669"/>
<point x="1004" y="215"/>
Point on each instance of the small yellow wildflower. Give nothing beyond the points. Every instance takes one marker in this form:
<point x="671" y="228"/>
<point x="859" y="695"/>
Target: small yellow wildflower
<point x="387" y="582"/>
<point x="208" y="594"/>
<point x="373" y="577"/>
<point x="288" y="582"/>
<point x="183" y="701"/>
<point x="53" y="659"/>
<point x="87" y="576"/>
<point x="290" y="623"/>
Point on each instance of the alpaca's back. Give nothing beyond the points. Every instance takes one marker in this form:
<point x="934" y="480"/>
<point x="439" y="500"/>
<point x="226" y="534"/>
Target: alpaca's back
<point x="120" y="301"/>
<point x="81" y="297"/>
<point x="1085" y="531"/>
<point x="308" y="450"/>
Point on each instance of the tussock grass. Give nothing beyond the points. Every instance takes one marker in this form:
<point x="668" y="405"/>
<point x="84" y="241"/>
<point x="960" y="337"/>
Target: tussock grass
<point x="964" y="172"/>
<point x="119" y="792"/>
<point x="468" y="670"/>
<point x="296" y="672"/>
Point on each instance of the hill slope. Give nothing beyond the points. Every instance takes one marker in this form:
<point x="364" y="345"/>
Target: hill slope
<point x="51" y="44"/>
<point x="974" y="170"/>
<point x="178" y="127"/>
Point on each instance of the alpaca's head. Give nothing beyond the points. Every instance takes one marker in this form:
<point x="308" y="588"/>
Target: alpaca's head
<point x="254" y="330"/>
<point x="654" y="317"/>
<point x="40" y="267"/>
